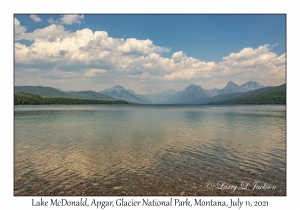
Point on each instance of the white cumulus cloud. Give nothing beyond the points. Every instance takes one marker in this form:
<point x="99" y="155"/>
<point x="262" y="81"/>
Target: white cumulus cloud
<point x="18" y="28"/>
<point x="50" y="33"/>
<point x="35" y="18"/>
<point x="70" y="19"/>
<point x="67" y="20"/>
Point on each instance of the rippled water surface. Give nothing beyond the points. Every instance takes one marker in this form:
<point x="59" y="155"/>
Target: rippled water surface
<point x="150" y="150"/>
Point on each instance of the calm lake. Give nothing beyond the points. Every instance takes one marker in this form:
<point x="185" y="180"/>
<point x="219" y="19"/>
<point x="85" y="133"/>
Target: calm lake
<point x="150" y="150"/>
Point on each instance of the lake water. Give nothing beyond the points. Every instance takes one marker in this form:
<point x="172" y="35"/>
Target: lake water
<point x="150" y="150"/>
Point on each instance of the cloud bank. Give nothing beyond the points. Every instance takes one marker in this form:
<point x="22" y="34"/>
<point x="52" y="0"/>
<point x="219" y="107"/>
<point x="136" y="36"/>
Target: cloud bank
<point x="87" y="58"/>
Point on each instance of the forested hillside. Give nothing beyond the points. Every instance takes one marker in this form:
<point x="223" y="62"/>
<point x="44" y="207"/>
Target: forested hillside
<point x="33" y="99"/>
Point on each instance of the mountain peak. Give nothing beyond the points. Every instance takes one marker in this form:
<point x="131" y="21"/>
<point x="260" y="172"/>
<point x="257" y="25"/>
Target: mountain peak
<point x="189" y="95"/>
<point x="251" y="82"/>
<point x="230" y="82"/>
<point x="193" y="86"/>
<point x="230" y="85"/>
<point x="122" y="93"/>
<point x="251" y="85"/>
<point x="118" y="86"/>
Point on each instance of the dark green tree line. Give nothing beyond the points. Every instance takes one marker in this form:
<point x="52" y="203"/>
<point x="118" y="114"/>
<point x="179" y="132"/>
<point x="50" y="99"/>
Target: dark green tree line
<point x="32" y="99"/>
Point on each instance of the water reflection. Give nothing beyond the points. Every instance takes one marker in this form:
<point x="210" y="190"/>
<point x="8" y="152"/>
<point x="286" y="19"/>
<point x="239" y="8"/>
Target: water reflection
<point x="140" y="150"/>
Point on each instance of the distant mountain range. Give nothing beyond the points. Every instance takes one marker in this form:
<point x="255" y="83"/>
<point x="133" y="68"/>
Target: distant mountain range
<point x="231" y="87"/>
<point x="195" y="94"/>
<point x="267" y="95"/>
<point x="122" y="93"/>
<point x="41" y="91"/>
<point x="248" y="93"/>
<point x="49" y="92"/>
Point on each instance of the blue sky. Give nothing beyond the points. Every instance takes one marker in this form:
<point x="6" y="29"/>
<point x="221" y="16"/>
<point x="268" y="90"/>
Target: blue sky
<point x="149" y="53"/>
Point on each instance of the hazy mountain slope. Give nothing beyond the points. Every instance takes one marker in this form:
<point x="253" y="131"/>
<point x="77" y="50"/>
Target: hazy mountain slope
<point x="216" y="98"/>
<point x="163" y="96"/>
<point x="190" y="94"/>
<point x="151" y="96"/>
<point x="213" y="92"/>
<point x="41" y="91"/>
<point x="144" y="98"/>
<point x="61" y="90"/>
<point x="122" y="93"/>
